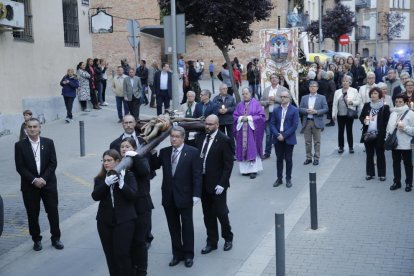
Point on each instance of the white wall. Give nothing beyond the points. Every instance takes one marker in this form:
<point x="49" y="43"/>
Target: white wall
<point x="31" y="71"/>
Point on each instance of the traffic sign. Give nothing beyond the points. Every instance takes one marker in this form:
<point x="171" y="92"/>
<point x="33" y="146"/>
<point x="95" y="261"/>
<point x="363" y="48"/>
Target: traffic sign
<point x="344" y="39"/>
<point x="134" y="31"/>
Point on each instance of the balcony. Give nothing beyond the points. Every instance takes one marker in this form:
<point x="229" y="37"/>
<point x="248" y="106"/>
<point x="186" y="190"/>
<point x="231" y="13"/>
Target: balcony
<point x="297" y="19"/>
<point x="362" y="33"/>
<point x="363" y="4"/>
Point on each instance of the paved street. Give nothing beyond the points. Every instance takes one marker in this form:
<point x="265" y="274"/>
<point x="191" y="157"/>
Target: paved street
<point x="364" y="228"/>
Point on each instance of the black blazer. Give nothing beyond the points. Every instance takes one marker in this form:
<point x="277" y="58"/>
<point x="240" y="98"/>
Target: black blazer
<point x="186" y="182"/>
<point x="157" y="81"/>
<point x="26" y="164"/>
<point x="219" y="162"/>
<point x="383" y="116"/>
<point x="211" y="108"/>
<point x="116" y="144"/>
<point x="124" y="198"/>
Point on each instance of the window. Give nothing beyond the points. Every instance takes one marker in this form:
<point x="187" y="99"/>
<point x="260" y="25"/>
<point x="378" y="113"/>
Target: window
<point x="27" y="33"/>
<point x="70" y="23"/>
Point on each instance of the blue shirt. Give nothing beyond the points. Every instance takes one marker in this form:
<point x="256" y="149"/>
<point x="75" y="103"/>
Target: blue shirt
<point x="211" y="67"/>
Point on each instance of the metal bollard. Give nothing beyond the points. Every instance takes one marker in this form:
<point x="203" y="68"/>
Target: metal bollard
<point x="313" y="201"/>
<point x="82" y="137"/>
<point x="280" y="244"/>
<point x="212" y="83"/>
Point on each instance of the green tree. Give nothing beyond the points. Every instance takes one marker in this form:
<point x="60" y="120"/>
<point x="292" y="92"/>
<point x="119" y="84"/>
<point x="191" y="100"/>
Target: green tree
<point x="336" y="22"/>
<point x="223" y="21"/>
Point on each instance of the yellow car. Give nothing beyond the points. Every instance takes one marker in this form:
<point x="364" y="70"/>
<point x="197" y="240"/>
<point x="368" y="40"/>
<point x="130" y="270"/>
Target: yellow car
<point x="322" y="57"/>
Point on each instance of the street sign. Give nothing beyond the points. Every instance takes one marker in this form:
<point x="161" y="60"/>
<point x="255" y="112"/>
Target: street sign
<point x="344" y="39"/>
<point x="180" y="34"/>
<point x="134" y="31"/>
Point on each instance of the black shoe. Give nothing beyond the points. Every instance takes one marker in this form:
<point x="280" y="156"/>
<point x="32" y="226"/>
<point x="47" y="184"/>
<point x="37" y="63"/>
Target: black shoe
<point x="188" y="262"/>
<point x="408" y="188"/>
<point x="228" y="245"/>
<point x="278" y="182"/>
<point x="395" y="186"/>
<point x="307" y="161"/>
<point x="288" y="183"/>
<point x="208" y="249"/>
<point x="331" y="123"/>
<point x="175" y="261"/>
<point x="315" y="162"/>
<point x="368" y="177"/>
<point x="382" y="178"/>
<point x="341" y="150"/>
<point x="57" y="244"/>
<point x="266" y="156"/>
<point x="351" y="150"/>
<point x="253" y="175"/>
<point x="37" y="246"/>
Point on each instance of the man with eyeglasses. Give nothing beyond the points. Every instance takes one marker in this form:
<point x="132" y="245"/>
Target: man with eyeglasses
<point x="205" y="107"/>
<point x="283" y="124"/>
<point x="312" y="108"/>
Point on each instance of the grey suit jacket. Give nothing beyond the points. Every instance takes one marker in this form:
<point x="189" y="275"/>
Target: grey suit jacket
<point x="321" y="106"/>
<point x="264" y="101"/>
<point x="130" y="90"/>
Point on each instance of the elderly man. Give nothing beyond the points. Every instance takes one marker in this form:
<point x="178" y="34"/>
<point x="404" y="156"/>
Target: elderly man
<point x="381" y="71"/>
<point x="364" y="90"/>
<point x="283" y="124"/>
<point x="187" y="110"/>
<point x="394" y="85"/>
<point x="312" y="108"/>
<point x="205" y="107"/>
<point x="132" y="93"/>
<point x="118" y="88"/>
<point x="270" y="100"/>
<point x="226" y="105"/>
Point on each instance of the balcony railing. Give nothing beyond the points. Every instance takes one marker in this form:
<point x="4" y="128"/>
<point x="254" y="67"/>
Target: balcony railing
<point x="362" y="33"/>
<point x="361" y="4"/>
<point x="297" y="19"/>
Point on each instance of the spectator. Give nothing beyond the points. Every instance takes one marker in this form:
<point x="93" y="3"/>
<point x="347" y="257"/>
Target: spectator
<point x="225" y="73"/>
<point x="385" y="97"/>
<point x="211" y="69"/>
<point x="329" y="96"/>
<point x="205" y="107"/>
<point x="104" y="64"/>
<point x="151" y="74"/>
<point x="142" y="74"/>
<point x="193" y="77"/>
<point x="69" y="85"/>
<point x="253" y="77"/>
<point x="163" y="88"/>
<point x="92" y="83"/>
<point x="27" y="115"/>
<point x="118" y="89"/>
<point x="132" y="93"/>
<point x="409" y="92"/>
<point x="84" y="94"/>
<point x="394" y="85"/>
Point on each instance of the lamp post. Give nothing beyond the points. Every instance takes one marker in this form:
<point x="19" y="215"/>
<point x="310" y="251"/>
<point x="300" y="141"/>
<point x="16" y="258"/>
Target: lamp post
<point x="175" y="94"/>
<point x="320" y="27"/>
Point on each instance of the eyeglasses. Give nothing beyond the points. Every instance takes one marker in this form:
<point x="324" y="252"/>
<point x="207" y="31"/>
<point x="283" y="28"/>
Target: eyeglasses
<point x="284" y="96"/>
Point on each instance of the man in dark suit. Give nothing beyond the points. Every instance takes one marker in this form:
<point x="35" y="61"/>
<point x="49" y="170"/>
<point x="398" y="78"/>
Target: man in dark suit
<point x="283" y="125"/>
<point x="205" y="107"/>
<point x="181" y="189"/>
<point x="312" y="108"/>
<point x="35" y="159"/>
<point x="163" y="88"/>
<point x="217" y="161"/>
<point x="132" y="93"/>
<point x="381" y="71"/>
<point x="143" y="204"/>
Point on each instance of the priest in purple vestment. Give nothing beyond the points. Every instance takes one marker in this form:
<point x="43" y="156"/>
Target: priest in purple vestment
<point x="248" y="126"/>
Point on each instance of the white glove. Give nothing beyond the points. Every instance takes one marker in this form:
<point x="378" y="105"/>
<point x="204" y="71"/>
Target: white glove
<point x="121" y="179"/>
<point x="131" y="153"/>
<point x="219" y="189"/>
<point x="109" y="180"/>
<point x="196" y="200"/>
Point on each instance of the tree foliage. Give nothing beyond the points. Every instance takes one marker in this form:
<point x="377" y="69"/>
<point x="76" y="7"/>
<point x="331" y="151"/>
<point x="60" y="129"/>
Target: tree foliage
<point x="395" y="24"/>
<point x="223" y="21"/>
<point x="336" y="22"/>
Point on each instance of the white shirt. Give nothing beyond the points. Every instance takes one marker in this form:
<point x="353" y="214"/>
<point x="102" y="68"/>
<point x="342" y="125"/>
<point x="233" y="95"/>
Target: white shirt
<point x="36" y="152"/>
<point x="282" y="121"/>
<point x="174" y="162"/>
<point x="311" y="103"/>
<point x="164" y="80"/>
<point x="212" y="136"/>
<point x="118" y="85"/>
<point x="131" y="79"/>
<point x="272" y="93"/>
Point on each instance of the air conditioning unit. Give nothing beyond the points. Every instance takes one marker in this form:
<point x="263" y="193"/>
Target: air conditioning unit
<point x="11" y="14"/>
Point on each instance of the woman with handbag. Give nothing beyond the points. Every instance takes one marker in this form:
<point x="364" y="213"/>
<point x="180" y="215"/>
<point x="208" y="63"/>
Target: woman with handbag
<point x="402" y="119"/>
<point x="345" y="110"/>
<point x="374" y="118"/>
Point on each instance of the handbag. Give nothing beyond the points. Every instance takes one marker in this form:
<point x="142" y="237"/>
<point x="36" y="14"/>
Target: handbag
<point x="391" y="142"/>
<point x="370" y="136"/>
<point x="351" y="113"/>
<point x="220" y="76"/>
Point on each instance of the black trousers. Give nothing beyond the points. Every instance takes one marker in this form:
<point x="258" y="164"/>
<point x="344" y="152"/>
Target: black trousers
<point x="103" y="89"/>
<point x="69" y="106"/>
<point x="31" y="199"/>
<point x="181" y="227"/>
<point x="371" y="149"/>
<point x="94" y="98"/>
<point x="228" y="130"/>
<point x="162" y="98"/>
<point x="284" y="152"/>
<point x="83" y="105"/>
<point x="139" y="246"/>
<point x="134" y="106"/>
<point x="405" y="156"/>
<point x="345" y="122"/>
<point x="153" y="96"/>
<point x="215" y="208"/>
<point x="116" y="242"/>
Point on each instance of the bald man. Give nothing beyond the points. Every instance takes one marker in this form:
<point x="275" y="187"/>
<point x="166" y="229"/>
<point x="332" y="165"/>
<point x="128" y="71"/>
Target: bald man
<point x="217" y="158"/>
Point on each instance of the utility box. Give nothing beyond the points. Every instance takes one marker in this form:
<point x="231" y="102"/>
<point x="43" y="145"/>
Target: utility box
<point x="11" y="14"/>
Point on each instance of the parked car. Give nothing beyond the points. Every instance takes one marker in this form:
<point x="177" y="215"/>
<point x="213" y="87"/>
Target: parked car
<point x="322" y="57"/>
<point x="331" y="54"/>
